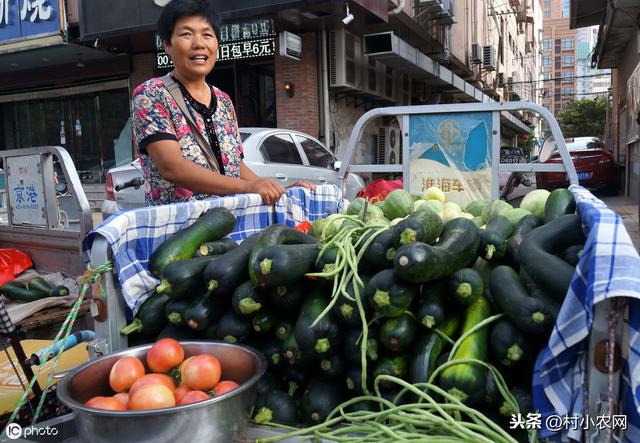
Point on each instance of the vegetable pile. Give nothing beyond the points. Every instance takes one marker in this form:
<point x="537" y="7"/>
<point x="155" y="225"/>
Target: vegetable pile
<point x="173" y="380"/>
<point x="405" y="317"/>
<point x="35" y="289"/>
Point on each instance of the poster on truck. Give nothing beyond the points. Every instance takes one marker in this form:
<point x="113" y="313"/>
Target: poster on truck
<point x="452" y="152"/>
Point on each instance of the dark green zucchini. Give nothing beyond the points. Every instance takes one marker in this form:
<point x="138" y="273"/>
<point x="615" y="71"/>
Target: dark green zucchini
<point x="552" y="274"/>
<point x="424" y="225"/>
<point x="327" y="261"/>
<point x="457" y="247"/>
<point x="398" y="334"/>
<point x="247" y="300"/>
<point x="278" y="265"/>
<point x="351" y="345"/>
<point x="38" y="283"/>
<point x="526" y="224"/>
<point x="203" y="311"/>
<point x="430" y="310"/>
<point x="467" y="380"/>
<point x="18" y="292"/>
<point x="534" y="291"/>
<point x="217" y="247"/>
<point x="267" y="383"/>
<point x="324" y="337"/>
<point x="175" y="309"/>
<point x="530" y="314"/>
<point x="429" y="346"/>
<point x="275" y="234"/>
<point x="394" y="365"/>
<point x="282" y="330"/>
<point x="508" y="344"/>
<point x="492" y="396"/>
<point x="272" y="351"/>
<point x="150" y="318"/>
<point x="264" y="320"/>
<point x="294" y="379"/>
<point x="183" y="278"/>
<point x="288" y="297"/>
<point x="389" y="295"/>
<point x="227" y="271"/>
<point x="302" y="359"/>
<point x="320" y="397"/>
<point x="177" y="333"/>
<point x="278" y="408"/>
<point x="571" y="254"/>
<point x="493" y="239"/>
<point x="524" y="400"/>
<point x="465" y="286"/>
<point x="332" y="367"/>
<point x="212" y="225"/>
<point x="346" y="311"/>
<point x="381" y="251"/>
<point x="560" y="202"/>
<point x="232" y="328"/>
<point x="353" y="380"/>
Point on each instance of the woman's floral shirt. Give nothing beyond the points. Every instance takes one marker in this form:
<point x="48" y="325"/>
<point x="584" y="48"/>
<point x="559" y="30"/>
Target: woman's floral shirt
<point x="156" y="116"/>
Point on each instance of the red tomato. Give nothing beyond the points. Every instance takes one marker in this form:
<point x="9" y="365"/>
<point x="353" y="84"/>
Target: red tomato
<point x="123" y="397"/>
<point x="180" y="392"/>
<point x="155" y="396"/>
<point x="124" y="372"/>
<point x="193" y="397"/>
<point x="182" y="366"/>
<point x="225" y="386"/>
<point x="202" y="373"/>
<point x="164" y="355"/>
<point x="152" y="379"/>
<point x="107" y="403"/>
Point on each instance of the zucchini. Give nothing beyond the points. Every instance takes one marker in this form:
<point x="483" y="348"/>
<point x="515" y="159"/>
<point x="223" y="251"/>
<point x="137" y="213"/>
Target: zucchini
<point x="183" y="278"/>
<point x="351" y="345"/>
<point x="217" y="247"/>
<point x="571" y="254"/>
<point x="429" y="346"/>
<point x="177" y="333"/>
<point x="353" y="380"/>
<point x="279" y="408"/>
<point x="272" y="351"/>
<point x="275" y="234"/>
<point x="508" y="344"/>
<point x="424" y="225"/>
<point x="550" y="273"/>
<point x="264" y="320"/>
<point x="204" y="311"/>
<point x="150" y="318"/>
<point x="278" y="265"/>
<point x="320" y="397"/>
<point x="212" y="225"/>
<point x="226" y="272"/>
<point x="381" y="251"/>
<point x="295" y="379"/>
<point x="327" y="261"/>
<point x="560" y="202"/>
<point x="325" y="336"/>
<point x="247" y="300"/>
<point x="465" y="286"/>
<point x="17" y="292"/>
<point x="531" y="315"/>
<point x="38" y="283"/>
<point x="457" y="247"/>
<point x="302" y="359"/>
<point x="394" y="365"/>
<point x="332" y="367"/>
<point x="430" y="310"/>
<point x="467" y="380"/>
<point x="524" y="400"/>
<point x="397" y="334"/>
<point x="175" y="309"/>
<point x="389" y="295"/>
<point x="282" y="330"/>
<point x="346" y="311"/>
<point x="525" y="225"/>
<point x="288" y="297"/>
<point x="534" y="291"/>
<point x="493" y="239"/>
<point x="232" y="328"/>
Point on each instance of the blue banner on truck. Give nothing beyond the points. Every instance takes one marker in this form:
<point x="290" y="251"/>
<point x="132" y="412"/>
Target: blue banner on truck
<point x="23" y="19"/>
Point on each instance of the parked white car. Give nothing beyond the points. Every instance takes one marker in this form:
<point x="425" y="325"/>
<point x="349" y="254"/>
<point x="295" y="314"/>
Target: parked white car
<point x="282" y="154"/>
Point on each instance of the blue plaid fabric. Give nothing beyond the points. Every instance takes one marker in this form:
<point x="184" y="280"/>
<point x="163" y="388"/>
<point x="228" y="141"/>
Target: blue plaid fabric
<point x="609" y="267"/>
<point x="134" y="235"/>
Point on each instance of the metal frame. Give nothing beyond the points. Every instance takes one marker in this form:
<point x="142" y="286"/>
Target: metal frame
<point x="403" y="113"/>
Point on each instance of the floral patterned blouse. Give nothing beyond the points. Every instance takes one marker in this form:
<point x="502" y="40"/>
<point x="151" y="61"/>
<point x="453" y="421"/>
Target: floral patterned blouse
<point x="156" y="116"/>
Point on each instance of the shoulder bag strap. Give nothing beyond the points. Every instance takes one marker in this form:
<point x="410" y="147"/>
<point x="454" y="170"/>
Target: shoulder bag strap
<point x="205" y="147"/>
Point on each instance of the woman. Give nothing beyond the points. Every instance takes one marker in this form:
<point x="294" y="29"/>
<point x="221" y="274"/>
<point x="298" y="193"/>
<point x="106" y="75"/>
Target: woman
<point x="175" y="167"/>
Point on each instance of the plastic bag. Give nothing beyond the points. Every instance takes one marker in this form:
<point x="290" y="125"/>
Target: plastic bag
<point x="378" y="189"/>
<point x="12" y="262"/>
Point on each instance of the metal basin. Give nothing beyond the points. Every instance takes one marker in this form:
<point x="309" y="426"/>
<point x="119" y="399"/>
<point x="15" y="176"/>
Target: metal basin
<point x="219" y="419"/>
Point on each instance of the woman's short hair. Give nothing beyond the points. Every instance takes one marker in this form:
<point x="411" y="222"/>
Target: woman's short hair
<point x="177" y="9"/>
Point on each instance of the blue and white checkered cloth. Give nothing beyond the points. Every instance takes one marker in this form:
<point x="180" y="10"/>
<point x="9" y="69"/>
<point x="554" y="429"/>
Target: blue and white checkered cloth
<point x="609" y="267"/>
<point x="134" y="235"/>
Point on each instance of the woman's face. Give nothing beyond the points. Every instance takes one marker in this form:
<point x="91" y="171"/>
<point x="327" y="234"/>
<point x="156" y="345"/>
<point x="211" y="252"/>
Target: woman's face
<point x="193" y="47"/>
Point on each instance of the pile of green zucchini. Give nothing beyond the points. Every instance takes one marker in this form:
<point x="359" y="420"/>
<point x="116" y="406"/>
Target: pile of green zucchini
<point x="403" y="288"/>
<point x="35" y="288"/>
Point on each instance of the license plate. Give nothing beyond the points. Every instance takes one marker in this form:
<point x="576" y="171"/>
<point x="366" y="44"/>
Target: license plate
<point x="584" y="175"/>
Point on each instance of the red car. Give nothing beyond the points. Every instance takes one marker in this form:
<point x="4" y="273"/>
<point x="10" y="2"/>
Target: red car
<point x="593" y="162"/>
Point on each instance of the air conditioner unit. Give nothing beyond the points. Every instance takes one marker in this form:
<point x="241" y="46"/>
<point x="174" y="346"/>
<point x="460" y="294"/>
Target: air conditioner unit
<point x="489" y="58"/>
<point x="476" y="53"/>
<point x="373" y="77"/>
<point x="508" y="87"/>
<point x="445" y="16"/>
<point x="528" y="47"/>
<point x="500" y="79"/>
<point x="345" y="54"/>
<point x="390" y="145"/>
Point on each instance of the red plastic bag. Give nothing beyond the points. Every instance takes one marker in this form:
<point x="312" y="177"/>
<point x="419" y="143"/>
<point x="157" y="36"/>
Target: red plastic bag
<point x="378" y="189"/>
<point x="303" y="227"/>
<point x="12" y="262"/>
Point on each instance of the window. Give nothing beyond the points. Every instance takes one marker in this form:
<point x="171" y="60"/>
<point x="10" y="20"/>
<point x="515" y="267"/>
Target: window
<point x="565" y="8"/>
<point x="547" y="3"/>
<point x="567" y="76"/>
<point x="547" y="76"/>
<point x="546" y="44"/>
<point x="567" y="60"/>
<point x="316" y="154"/>
<point x="568" y="92"/>
<point x="546" y="61"/>
<point x="547" y="14"/>
<point x="280" y="149"/>
<point x="567" y="43"/>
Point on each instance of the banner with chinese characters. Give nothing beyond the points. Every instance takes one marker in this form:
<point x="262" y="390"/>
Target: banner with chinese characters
<point x="238" y="41"/>
<point x="22" y="19"/>
<point x="453" y="152"/>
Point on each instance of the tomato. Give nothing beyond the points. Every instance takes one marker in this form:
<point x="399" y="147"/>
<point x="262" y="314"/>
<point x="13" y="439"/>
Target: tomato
<point x="164" y="355"/>
<point x="123" y="397"/>
<point x="124" y="372"/>
<point x="225" y="386"/>
<point x="180" y="392"/>
<point x="107" y="403"/>
<point x="193" y="397"/>
<point x="202" y="373"/>
<point x="154" y="396"/>
<point x="180" y="370"/>
<point x="152" y="379"/>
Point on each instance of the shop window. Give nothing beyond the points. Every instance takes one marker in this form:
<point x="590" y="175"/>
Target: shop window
<point x="280" y="149"/>
<point x="316" y="154"/>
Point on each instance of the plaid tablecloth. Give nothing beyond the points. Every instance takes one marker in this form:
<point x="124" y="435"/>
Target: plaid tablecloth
<point x="609" y="267"/>
<point x="134" y="235"/>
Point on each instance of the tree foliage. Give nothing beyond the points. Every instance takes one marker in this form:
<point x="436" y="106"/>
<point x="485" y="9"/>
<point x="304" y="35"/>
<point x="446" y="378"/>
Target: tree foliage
<point x="585" y="117"/>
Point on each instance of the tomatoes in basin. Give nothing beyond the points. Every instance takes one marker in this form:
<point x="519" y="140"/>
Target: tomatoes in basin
<point x="165" y="355"/>
<point x="154" y="396"/>
<point x="124" y="372"/>
<point x="202" y="372"/>
<point x="152" y="379"/>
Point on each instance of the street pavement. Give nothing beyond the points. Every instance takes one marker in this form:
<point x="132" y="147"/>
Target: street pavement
<point x="628" y="210"/>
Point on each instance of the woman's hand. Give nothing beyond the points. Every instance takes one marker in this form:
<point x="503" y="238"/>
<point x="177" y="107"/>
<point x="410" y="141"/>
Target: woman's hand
<point x="304" y="184"/>
<point x="268" y="189"/>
